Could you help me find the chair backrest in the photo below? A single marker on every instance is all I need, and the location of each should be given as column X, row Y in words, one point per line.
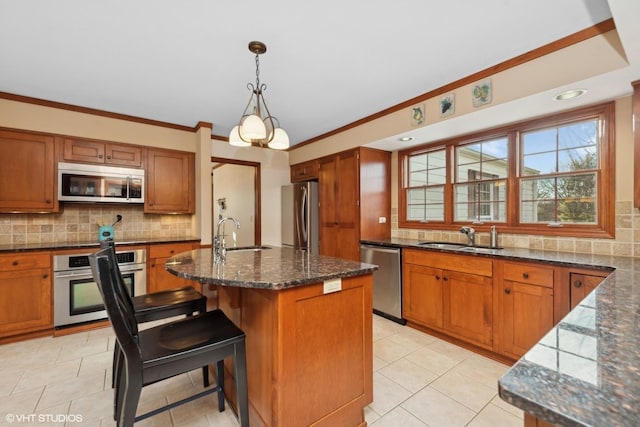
column 117, row 301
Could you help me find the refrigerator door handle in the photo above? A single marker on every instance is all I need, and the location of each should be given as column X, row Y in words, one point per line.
column 304, row 216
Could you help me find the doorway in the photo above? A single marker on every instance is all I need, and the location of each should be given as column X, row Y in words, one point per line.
column 235, row 187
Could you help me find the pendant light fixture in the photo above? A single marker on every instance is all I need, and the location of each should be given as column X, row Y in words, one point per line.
column 257, row 126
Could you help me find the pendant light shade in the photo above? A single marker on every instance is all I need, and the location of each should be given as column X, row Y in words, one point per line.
column 257, row 126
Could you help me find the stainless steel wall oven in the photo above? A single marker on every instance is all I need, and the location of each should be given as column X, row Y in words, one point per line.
column 76, row 297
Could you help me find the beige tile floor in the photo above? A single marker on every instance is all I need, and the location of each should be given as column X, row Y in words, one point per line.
column 418, row 380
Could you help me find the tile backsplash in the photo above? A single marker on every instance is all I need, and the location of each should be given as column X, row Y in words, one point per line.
column 78, row 222
column 626, row 243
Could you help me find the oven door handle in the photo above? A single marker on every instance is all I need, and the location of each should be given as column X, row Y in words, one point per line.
column 88, row 274
column 130, row 270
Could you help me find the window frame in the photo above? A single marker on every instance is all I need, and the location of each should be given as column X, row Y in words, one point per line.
column 604, row 227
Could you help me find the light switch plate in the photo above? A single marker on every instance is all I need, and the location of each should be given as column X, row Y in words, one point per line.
column 333, row 285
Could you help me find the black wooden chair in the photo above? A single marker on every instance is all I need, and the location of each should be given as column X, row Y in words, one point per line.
column 167, row 350
column 162, row 305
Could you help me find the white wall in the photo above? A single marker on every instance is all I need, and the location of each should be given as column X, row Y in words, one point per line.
column 234, row 184
column 274, row 173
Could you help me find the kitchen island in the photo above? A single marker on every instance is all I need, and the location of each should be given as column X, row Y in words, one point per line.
column 308, row 325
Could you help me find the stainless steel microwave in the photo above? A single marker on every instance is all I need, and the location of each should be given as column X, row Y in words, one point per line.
column 96, row 183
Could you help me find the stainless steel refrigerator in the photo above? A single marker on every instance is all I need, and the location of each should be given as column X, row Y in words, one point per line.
column 300, row 216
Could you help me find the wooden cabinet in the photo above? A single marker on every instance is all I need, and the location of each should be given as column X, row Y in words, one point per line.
column 449, row 293
column 25, row 293
column 301, row 345
column 170, row 182
column 27, row 172
column 158, row 277
column 354, row 193
column 581, row 284
column 101, row 152
column 306, row 171
column 527, row 306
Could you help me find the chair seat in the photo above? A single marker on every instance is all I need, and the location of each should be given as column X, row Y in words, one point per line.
column 167, row 303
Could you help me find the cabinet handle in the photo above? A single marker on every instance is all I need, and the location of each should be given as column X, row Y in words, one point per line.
column 109, row 157
column 99, row 156
column 507, row 291
column 14, row 263
column 437, row 277
column 577, row 283
column 525, row 275
column 44, row 276
column 445, row 278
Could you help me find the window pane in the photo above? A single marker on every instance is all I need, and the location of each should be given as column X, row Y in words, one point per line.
column 577, row 159
column 480, row 202
column 437, row 159
column 568, row 199
column 417, row 179
column 578, row 135
column 539, row 141
column 537, row 164
column 484, row 160
column 425, row 204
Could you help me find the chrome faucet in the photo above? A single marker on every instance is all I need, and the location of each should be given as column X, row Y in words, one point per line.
column 219, row 244
column 471, row 235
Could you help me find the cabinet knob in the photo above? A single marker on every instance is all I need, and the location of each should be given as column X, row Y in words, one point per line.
column 14, row 263
column 525, row 275
column 577, row 283
column 445, row 278
column 437, row 277
column 44, row 276
column 171, row 251
column 99, row 156
column 507, row 291
column 109, row 157
column 48, row 201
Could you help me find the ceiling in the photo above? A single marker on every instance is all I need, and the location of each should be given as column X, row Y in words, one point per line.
column 328, row 63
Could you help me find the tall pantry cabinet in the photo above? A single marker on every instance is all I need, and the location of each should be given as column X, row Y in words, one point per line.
column 355, row 200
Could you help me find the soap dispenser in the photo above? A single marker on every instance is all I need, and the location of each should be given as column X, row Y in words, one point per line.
column 493, row 237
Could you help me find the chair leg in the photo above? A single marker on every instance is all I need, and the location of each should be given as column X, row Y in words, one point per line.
column 240, row 365
column 118, row 391
column 131, row 397
column 114, row 364
column 205, row 376
column 220, row 384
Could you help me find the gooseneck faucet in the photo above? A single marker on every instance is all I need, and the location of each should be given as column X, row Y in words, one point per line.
column 219, row 244
column 471, row 235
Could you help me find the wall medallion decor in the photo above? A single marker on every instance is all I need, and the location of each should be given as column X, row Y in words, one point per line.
column 417, row 115
column 447, row 105
column 482, row 93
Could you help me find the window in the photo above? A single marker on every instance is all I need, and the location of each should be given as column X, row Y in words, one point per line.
column 559, row 168
column 551, row 176
column 425, row 190
column 480, row 181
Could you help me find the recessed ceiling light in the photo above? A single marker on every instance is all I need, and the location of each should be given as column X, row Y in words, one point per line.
column 570, row 94
column 405, row 139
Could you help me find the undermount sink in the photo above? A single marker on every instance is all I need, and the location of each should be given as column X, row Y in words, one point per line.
column 247, row 248
column 459, row 247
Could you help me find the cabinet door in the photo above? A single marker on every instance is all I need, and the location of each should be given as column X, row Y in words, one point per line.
column 468, row 302
column 25, row 301
column 123, row 155
column 83, row 150
column 159, row 278
column 422, row 298
column 27, row 177
column 339, row 206
column 170, row 182
column 306, row 171
column 527, row 315
column 581, row 285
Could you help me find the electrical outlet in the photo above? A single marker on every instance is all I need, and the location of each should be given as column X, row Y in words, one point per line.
column 332, row 285
column 382, row 220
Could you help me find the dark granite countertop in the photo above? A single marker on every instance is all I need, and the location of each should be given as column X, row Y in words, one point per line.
column 94, row 244
column 586, row 370
column 274, row 268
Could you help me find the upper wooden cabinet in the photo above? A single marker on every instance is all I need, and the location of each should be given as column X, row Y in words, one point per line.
column 108, row 153
column 170, row 182
column 354, row 193
column 306, row 171
column 27, row 172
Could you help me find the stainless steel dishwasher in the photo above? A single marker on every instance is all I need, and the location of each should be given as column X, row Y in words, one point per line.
column 387, row 280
